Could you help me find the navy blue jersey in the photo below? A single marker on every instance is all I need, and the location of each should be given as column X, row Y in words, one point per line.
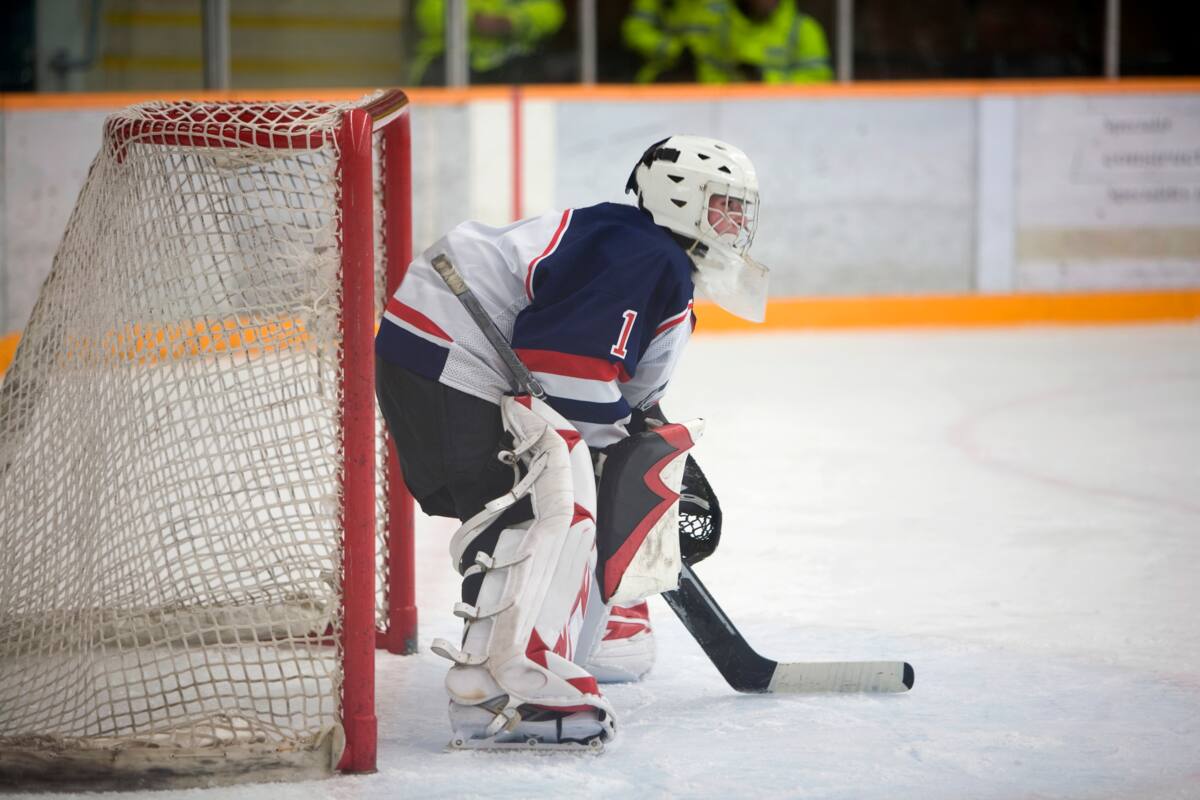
column 596, row 302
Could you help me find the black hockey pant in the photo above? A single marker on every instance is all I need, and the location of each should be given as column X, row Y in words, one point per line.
column 447, row 441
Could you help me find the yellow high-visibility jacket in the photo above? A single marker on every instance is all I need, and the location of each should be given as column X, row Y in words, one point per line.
column 532, row 21
column 787, row 47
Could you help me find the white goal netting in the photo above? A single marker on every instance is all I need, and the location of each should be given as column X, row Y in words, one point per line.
column 171, row 454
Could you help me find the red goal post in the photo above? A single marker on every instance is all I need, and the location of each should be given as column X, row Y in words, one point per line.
column 208, row 232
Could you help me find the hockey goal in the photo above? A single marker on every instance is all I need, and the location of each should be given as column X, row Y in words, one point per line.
column 192, row 503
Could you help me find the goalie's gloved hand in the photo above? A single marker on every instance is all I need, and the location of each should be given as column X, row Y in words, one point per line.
column 640, row 421
column 645, row 419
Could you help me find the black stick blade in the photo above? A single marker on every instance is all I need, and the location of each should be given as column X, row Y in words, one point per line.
column 747, row 671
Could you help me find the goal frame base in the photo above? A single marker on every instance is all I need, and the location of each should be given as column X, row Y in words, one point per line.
column 65, row 766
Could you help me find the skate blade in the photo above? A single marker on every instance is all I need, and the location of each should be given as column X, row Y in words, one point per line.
column 530, row 745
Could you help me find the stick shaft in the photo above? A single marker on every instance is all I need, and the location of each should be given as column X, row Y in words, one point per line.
column 525, row 383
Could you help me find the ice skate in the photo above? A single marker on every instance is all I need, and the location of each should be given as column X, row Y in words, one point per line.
column 494, row 725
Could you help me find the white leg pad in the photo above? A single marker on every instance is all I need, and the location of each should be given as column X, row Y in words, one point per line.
column 523, row 630
column 626, row 653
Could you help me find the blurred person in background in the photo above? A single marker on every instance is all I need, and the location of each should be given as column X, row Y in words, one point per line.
column 726, row 41
column 654, row 29
column 504, row 36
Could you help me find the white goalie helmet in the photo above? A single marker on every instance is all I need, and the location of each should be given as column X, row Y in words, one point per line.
column 707, row 192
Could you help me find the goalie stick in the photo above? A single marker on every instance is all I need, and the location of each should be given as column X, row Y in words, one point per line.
column 741, row 666
column 747, row 671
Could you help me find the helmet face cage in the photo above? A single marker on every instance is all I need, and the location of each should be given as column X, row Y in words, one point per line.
column 729, row 215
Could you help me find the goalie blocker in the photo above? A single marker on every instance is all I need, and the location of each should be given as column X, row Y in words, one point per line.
column 637, row 533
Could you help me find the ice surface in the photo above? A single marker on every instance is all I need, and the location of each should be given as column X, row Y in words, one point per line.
column 1016, row 512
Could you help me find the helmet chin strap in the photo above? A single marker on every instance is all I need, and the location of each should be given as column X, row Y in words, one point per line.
column 692, row 246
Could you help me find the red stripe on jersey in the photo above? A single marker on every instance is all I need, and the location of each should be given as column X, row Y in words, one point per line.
column 675, row 320
column 416, row 319
column 562, row 226
column 556, row 363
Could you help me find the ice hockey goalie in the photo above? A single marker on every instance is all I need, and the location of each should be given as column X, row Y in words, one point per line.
column 596, row 302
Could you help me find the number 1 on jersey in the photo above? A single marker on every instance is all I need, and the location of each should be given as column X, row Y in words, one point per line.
column 618, row 349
